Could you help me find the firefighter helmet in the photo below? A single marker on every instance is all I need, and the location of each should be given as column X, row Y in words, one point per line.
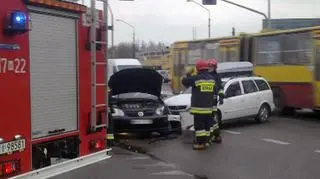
column 202, row 65
column 212, row 63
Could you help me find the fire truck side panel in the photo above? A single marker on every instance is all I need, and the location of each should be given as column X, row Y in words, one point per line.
column 53, row 74
column 85, row 91
column 14, row 91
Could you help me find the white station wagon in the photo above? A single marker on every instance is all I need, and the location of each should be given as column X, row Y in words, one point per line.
column 244, row 97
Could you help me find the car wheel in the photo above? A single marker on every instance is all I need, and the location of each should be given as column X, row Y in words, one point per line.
column 144, row 135
column 166, row 131
column 176, row 127
column 218, row 119
column 264, row 113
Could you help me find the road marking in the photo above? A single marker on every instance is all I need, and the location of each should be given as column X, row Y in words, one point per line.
column 139, row 158
column 174, row 172
column 317, row 151
column 159, row 164
column 191, row 128
column 275, row 141
column 232, row 132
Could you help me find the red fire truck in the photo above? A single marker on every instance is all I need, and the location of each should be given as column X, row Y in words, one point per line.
column 53, row 90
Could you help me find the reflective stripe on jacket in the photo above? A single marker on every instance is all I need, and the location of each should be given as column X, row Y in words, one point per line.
column 203, row 89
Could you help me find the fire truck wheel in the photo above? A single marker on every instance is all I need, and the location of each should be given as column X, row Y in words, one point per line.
column 39, row 159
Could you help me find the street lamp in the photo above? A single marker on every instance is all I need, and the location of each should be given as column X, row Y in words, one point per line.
column 269, row 14
column 209, row 18
column 268, row 18
column 133, row 37
column 112, row 31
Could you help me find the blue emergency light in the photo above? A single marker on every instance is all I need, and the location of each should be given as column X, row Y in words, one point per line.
column 17, row 22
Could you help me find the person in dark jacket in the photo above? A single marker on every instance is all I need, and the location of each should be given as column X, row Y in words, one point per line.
column 215, row 126
column 203, row 90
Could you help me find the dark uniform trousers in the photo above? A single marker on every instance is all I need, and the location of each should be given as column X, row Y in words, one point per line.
column 202, row 128
column 110, row 130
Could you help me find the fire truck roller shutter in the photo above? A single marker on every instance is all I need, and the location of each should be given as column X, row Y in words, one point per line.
column 53, row 74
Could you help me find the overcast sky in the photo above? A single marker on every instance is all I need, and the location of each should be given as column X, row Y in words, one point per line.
column 172, row 20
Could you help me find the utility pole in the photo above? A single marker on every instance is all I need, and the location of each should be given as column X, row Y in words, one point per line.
column 112, row 32
column 133, row 37
column 252, row 10
column 134, row 44
column 233, row 31
column 209, row 15
column 269, row 14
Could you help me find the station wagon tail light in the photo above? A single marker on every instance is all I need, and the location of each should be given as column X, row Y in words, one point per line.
column 9, row 167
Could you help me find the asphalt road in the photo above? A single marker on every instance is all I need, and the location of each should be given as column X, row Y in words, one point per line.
column 285, row 147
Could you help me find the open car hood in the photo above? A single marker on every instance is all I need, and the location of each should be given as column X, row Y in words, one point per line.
column 136, row 80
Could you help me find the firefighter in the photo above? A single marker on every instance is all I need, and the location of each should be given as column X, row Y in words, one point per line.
column 110, row 130
column 215, row 128
column 203, row 89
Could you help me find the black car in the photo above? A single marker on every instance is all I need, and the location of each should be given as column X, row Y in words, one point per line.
column 136, row 102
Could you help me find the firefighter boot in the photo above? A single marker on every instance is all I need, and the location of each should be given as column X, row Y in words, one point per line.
column 211, row 137
column 199, row 146
column 208, row 141
column 110, row 140
column 216, row 135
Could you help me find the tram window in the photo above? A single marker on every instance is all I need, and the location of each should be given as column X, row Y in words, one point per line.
column 176, row 62
column 211, row 50
column 223, row 54
column 297, row 49
column 233, row 54
column 268, row 50
column 193, row 56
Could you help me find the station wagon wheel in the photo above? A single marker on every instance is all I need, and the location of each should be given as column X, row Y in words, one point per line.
column 264, row 113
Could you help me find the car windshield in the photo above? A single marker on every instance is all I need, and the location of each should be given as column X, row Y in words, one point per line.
column 122, row 67
column 188, row 90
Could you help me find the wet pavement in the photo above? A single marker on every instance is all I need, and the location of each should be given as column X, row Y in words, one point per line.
column 285, row 147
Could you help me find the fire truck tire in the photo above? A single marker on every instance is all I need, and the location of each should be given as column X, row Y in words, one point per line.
column 39, row 160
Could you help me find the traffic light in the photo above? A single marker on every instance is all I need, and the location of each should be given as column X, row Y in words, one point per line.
column 209, row 2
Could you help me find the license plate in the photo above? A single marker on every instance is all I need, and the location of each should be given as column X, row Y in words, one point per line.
column 141, row 121
column 13, row 146
column 174, row 118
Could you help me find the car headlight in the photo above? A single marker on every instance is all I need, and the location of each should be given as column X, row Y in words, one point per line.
column 117, row 112
column 160, row 110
